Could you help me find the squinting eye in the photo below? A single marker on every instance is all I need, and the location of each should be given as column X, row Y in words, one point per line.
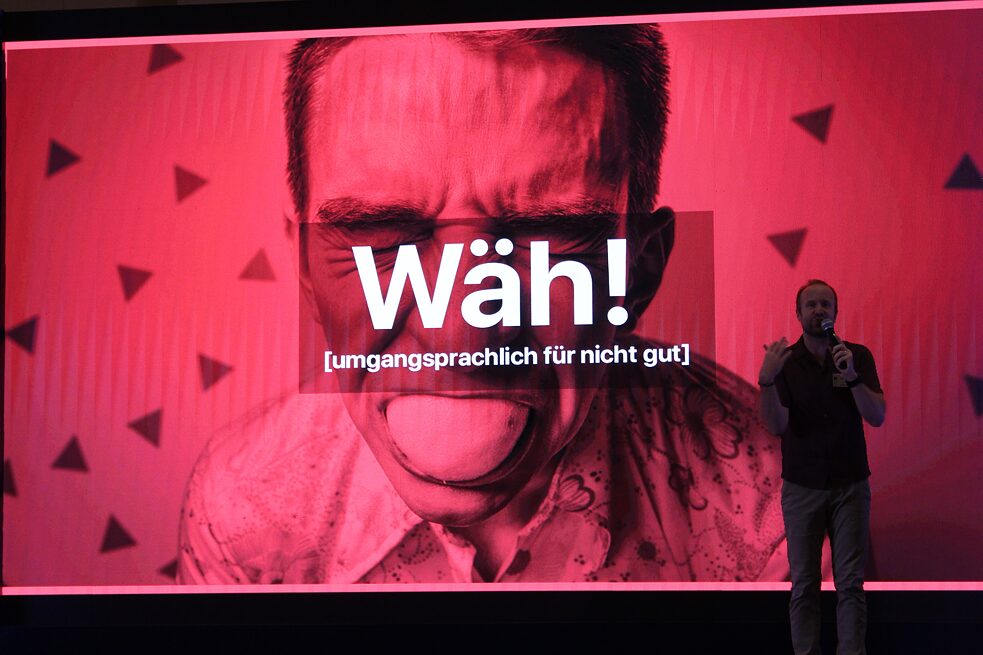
column 384, row 240
column 561, row 243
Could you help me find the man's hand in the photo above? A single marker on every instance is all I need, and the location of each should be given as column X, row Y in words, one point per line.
column 776, row 354
column 842, row 354
column 773, row 414
column 870, row 404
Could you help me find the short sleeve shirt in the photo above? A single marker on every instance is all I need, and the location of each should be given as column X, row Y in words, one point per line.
column 823, row 445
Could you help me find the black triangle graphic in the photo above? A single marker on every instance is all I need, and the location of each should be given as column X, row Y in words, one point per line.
column 966, row 176
column 212, row 371
column 132, row 279
column 71, row 457
column 148, row 426
column 169, row 570
column 24, row 333
column 115, row 537
column 186, row 182
column 59, row 157
column 258, row 268
column 789, row 244
column 816, row 122
column 162, row 56
column 9, row 488
column 975, row 385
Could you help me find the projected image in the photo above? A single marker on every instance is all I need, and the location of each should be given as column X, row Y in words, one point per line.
column 506, row 459
column 488, row 306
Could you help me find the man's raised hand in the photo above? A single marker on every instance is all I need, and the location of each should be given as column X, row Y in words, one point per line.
column 776, row 354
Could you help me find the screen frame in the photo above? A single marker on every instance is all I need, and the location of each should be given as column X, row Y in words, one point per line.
column 118, row 26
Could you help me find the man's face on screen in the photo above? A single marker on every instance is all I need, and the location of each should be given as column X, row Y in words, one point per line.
column 423, row 140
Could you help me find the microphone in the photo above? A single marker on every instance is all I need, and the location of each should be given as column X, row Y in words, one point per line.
column 834, row 340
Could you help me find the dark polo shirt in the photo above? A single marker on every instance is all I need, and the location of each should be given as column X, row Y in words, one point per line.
column 823, row 446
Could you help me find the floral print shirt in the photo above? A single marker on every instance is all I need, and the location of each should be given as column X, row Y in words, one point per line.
column 671, row 478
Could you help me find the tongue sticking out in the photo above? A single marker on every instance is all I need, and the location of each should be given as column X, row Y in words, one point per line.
column 455, row 439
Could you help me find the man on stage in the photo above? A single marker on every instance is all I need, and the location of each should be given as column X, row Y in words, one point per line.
column 816, row 394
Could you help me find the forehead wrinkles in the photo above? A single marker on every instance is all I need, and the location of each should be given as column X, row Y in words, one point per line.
column 529, row 119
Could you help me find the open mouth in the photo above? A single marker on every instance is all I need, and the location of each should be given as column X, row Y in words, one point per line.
column 459, row 441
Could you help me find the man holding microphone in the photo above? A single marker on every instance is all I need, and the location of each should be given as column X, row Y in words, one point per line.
column 816, row 394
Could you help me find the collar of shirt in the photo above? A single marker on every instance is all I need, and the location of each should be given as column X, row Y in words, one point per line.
column 801, row 352
column 571, row 511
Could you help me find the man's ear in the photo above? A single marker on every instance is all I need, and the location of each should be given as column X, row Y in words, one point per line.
column 298, row 245
column 650, row 240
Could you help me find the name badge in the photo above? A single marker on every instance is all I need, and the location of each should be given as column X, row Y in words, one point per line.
column 839, row 381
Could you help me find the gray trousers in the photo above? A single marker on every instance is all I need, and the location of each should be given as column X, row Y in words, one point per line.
column 843, row 512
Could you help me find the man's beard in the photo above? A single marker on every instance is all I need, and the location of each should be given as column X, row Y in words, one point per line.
column 814, row 328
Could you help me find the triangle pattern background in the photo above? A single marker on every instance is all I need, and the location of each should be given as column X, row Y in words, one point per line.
column 169, row 570
column 966, row 176
column 816, row 122
column 162, row 56
column 132, row 280
column 71, row 458
column 60, row 158
column 9, row 488
column 148, row 426
column 186, row 183
column 24, row 333
column 115, row 537
column 258, row 268
column 789, row 244
column 212, row 371
column 975, row 386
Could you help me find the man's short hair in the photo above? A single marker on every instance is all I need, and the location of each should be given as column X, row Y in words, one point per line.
column 636, row 55
column 812, row 283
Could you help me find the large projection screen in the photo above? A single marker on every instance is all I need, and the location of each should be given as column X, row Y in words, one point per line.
column 198, row 227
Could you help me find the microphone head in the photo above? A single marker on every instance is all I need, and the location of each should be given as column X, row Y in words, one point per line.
column 827, row 325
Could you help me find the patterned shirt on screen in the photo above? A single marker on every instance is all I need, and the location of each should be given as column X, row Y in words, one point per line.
column 671, row 478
